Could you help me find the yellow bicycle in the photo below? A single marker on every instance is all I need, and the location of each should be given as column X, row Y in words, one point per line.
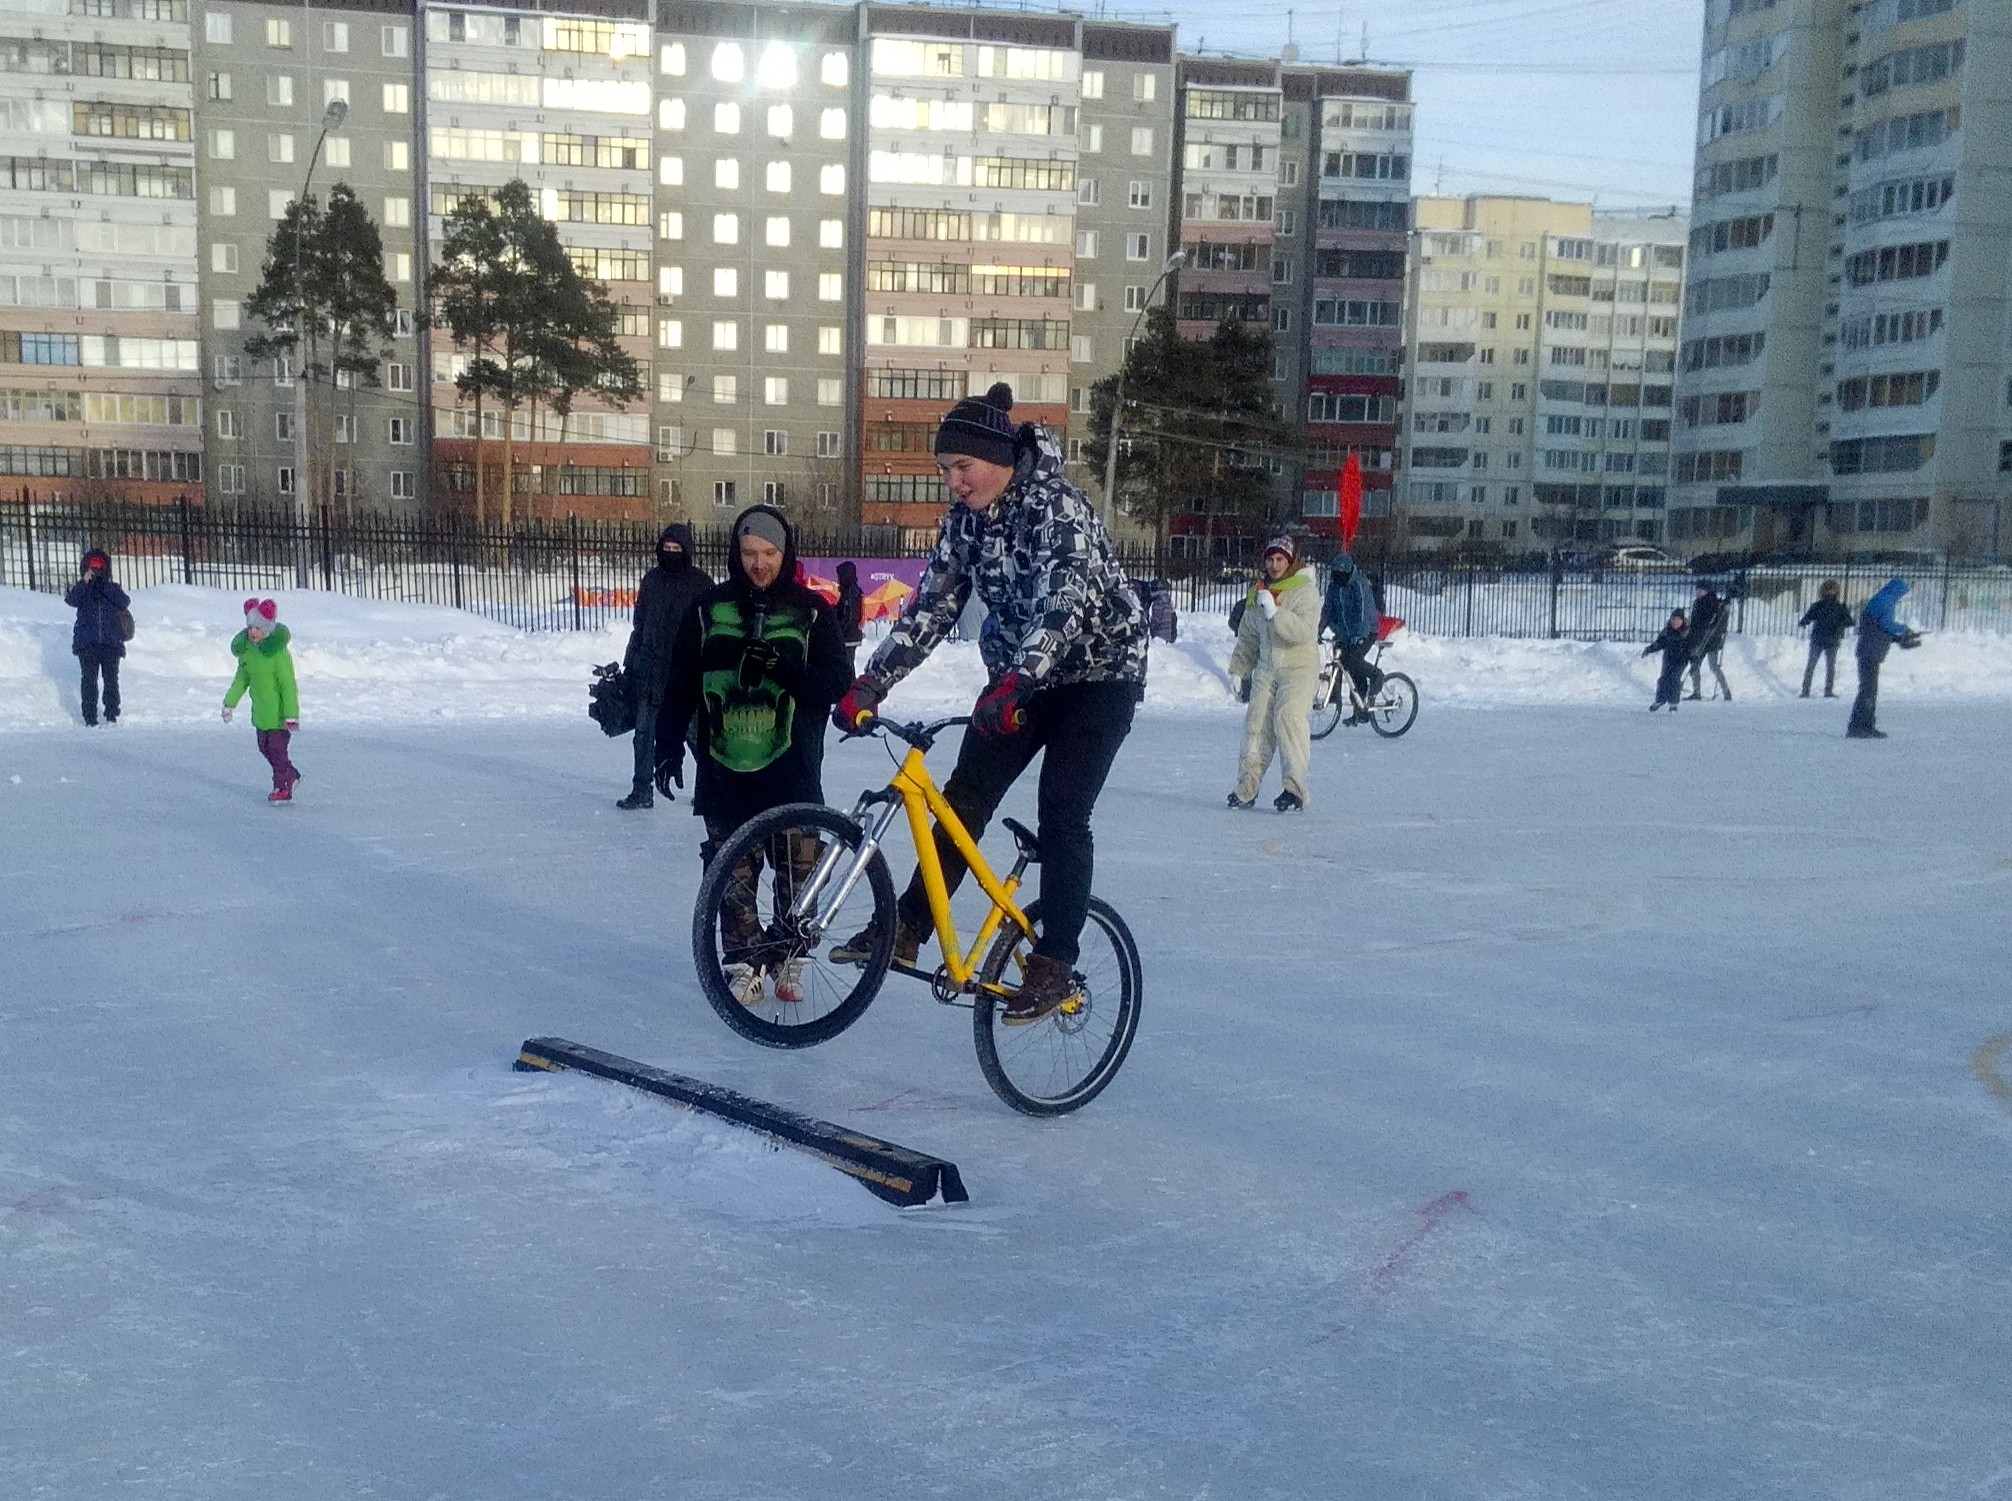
column 795, row 879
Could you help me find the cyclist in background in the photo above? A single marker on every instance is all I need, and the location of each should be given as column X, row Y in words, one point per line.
column 1064, row 671
column 1349, row 610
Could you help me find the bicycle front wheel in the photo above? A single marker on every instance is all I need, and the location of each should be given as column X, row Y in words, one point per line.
column 1326, row 712
column 766, row 969
column 1396, row 706
column 1063, row 1061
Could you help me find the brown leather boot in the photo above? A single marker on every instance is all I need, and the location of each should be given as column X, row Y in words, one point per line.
column 1050, row 984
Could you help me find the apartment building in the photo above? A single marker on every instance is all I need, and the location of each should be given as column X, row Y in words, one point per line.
column 756, row 126
column 1844, row 382
column 100, row 392
column 561, row 98
column 1124, row 190
column 268, row 75
column 1345, row 244
column 1541, row 339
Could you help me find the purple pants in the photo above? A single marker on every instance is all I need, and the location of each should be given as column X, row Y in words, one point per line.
column 272, row 745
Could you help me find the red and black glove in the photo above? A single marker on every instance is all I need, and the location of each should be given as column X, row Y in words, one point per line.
column 856, row 703
column 1002, row 708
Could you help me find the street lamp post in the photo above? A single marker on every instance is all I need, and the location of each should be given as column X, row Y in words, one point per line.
column 333, row 116
column 1118, row 396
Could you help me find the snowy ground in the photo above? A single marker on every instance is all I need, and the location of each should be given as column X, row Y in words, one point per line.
column 1572, row 1104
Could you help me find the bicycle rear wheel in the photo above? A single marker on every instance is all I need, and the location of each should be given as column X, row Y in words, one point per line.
column 1063, row 1061
column 1395, row 706
column 1326, row 712
column 768, row 972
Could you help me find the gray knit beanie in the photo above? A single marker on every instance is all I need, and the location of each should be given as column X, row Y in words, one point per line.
column 981, row 426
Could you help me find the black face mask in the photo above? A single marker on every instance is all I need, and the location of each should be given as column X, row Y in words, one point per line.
column 671, row 562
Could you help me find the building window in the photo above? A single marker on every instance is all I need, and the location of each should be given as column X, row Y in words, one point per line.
column 670, row 225
column 775, row 392
column 834, row 70
column 775, row 338
column 279, row 33
column 831, row 180
column 397, row 99
column 830, row 286
column 775, row 443
column 283, row 479
column 776, row 178
column 828, row 446
column 671, row 60
column 726, row 281
column 726, row 442
column 394, row 41
column 398, row 430
column 220, row 88
column 1086, row 243
column 217, row 28
column 777, row 231
column 671, row 171
column 831, row 124
column 1144, row 87
column 729, row 64
column 726, row 334
column 726, row 390
column 775, row 285
column 727, row 174
column 723, row 489
column 726, row 229
column 831, row 234
column 774, row 492
column 830, row 392
column 1141, row 195
column 1142, row 140
column 830, row 340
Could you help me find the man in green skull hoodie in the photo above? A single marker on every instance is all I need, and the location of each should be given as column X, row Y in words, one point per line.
column 761, row 660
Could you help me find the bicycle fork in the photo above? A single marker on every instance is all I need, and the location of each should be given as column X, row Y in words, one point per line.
column 817, row 915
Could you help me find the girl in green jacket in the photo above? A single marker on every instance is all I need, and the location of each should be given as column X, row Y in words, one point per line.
column 265, row 666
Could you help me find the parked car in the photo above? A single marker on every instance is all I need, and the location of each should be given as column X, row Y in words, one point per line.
column 1639, row 557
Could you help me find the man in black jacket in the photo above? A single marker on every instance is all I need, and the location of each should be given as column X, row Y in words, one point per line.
column 666, row 593
column 96, row 640
column 1828, row 619
column 1709, row 619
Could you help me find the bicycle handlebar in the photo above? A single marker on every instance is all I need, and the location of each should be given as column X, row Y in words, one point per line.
column 921, row 736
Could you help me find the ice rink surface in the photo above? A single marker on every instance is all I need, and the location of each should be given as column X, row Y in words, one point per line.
column 1573, row 1104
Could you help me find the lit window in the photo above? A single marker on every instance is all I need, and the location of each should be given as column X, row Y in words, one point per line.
column 724, row 445
column 729, row 65
column 775, row 285
column 671, row 171
column 726, row 282
column 726, row 390
column 777, row 68
column 831, row 124
column 775, row 390
column 397, row 99
column 1142, row 140
column 223, row 312
column 671, row 225
column 727, row 119
column 671, row 60
column 781, row 121
column 670, row 333
column 279, row 33
column 833, row 69
column 778, row 177
column 397, row 155
column 335, row 151
column 778, row 231
column 830, row 287
column 398, row 213
column 727, row 173
column 670, row 281
column 775, row 338
column 831, row 180
column 830, row 392
column 830, row 339
column 726, row 335
column 1093, row 83
column 726, row 229
column 831, row 234
column 670, row 114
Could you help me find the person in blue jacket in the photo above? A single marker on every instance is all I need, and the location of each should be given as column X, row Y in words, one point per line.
column 96, row 640
column 1349, row 610
column 1879, row 628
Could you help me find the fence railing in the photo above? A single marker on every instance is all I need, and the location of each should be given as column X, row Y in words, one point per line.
column 578, row 575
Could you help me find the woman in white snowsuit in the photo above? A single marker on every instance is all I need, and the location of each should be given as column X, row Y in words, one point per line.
column 1277, row 645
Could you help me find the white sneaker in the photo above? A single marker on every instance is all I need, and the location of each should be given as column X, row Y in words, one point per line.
column 744, row 983
column 789, row 982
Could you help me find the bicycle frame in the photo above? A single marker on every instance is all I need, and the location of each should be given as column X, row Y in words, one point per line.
column 914, row 791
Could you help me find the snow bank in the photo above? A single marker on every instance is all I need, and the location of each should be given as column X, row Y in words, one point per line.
column 377, row 661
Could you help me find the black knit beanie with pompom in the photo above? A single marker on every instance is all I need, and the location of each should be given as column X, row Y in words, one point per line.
column 981, row 426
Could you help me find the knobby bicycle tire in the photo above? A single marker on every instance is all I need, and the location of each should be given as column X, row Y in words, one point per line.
column 1394, row 721
column 1063, row 1061
column 834, row 996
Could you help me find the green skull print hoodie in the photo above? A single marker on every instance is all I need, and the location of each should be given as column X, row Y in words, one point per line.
column 761, row 668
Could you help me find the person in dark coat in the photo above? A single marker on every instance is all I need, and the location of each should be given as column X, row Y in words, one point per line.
column 1828, row 619
column 761, row 660
column 96, row 640
column 1674, row 643
column 1709, row 619
column 1879, row 628
column 1349, row 610
column 851, row 610
column 663, row 597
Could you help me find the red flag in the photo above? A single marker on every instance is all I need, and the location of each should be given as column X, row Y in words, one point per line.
column 1351, row 498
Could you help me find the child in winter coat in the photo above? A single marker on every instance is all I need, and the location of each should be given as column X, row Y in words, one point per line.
column 1277, row 644
column 98, row 639
column 1675, row 645
column 265, row 667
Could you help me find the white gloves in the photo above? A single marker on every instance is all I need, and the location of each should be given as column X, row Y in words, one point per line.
column 1268, row 602
column 227, row 716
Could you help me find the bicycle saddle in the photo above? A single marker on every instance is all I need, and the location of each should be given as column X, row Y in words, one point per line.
column 1024, row 837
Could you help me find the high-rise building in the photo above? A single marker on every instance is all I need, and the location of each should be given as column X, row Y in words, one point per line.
column 1541, row 342
column 561, row 98
column 268, row 74
column 100, row 393
column 1844, row 363
column 756, row 127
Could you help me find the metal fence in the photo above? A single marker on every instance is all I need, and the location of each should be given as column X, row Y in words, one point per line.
column 580, row 575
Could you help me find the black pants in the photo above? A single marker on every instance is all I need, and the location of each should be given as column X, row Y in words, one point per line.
column 1866, row 705
column 646, row 745
column 1354, row 657
column 1829, row 655
column 1670, row 683
column 1081, row 726
column 1704, row 659
column 93, row 660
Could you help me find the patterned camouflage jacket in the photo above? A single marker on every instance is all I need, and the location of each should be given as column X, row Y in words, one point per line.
column 1043, row 564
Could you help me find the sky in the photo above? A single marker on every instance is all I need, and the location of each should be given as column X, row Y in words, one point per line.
column 1571, row 99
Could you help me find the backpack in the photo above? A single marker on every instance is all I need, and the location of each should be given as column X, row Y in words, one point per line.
column 610, row 703
column 125, row 625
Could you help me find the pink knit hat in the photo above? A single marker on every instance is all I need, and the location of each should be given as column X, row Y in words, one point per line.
column 261, row 614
